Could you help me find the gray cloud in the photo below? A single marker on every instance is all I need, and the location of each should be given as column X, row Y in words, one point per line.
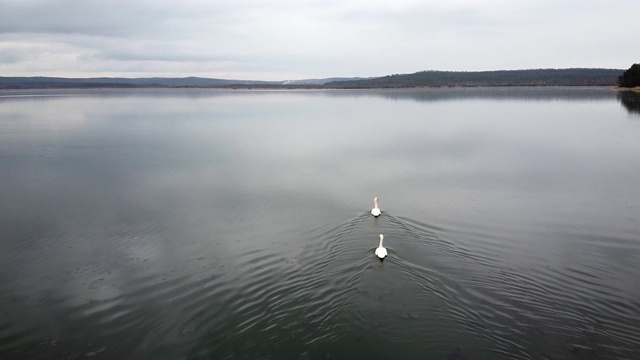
column 158, row 54
column 10, row 57
column 286, row 39
column 69, row 17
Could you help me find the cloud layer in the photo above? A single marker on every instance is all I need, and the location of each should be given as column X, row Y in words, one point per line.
column 290, row 39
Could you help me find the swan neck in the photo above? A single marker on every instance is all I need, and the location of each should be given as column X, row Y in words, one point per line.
column 381, row 239
column 375, row 202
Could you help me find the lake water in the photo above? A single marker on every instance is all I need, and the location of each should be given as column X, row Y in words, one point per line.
column 210, row 224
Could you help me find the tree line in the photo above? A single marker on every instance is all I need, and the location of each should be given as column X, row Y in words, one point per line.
column 631, row 77
column 534, row 77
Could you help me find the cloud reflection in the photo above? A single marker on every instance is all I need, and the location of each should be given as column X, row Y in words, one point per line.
column 120, row 205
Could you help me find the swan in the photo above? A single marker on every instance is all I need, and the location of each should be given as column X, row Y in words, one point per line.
column 381, row 252
column 376, row 210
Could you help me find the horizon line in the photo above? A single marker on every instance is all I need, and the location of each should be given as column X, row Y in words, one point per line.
column 299, row 79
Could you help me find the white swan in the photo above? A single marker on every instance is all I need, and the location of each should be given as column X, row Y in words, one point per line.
column 376, row 210
column 381, row 252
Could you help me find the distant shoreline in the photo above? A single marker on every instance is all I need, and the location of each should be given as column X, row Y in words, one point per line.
column 301, row 87
column 421, row 79
column 634, row 89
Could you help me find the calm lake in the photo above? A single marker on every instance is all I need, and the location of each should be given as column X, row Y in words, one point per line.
column 215, row 224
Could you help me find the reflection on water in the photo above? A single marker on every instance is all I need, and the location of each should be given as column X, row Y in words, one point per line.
column 196, row 224
column 630, row 100
column 488, row 93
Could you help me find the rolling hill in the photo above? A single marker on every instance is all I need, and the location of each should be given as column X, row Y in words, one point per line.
column 534, row 77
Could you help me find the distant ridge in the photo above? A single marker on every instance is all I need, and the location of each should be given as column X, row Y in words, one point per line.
column 532, row 77
column 59, row 82
column 431, row 78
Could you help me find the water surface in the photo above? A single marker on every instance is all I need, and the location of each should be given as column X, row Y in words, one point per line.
column 208, row 224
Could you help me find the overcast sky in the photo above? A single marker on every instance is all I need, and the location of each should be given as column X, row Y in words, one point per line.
column 299, row 39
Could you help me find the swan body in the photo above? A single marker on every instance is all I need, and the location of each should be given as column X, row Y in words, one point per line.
column 376, row 210
column 381, row 252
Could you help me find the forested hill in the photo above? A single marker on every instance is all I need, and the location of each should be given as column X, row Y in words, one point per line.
column 106, row 82
column 540, row 77
column 537, row 77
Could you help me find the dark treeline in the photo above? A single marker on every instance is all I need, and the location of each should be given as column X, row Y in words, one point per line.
column 631, row 77
column 540, row 77
column 40, row 82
